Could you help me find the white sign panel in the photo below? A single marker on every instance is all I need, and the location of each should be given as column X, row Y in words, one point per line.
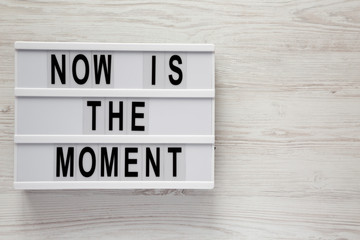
column 121, row 116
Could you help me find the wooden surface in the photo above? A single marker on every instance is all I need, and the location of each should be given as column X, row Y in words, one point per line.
column 287, row 121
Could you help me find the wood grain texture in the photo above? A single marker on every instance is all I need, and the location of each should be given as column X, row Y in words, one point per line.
column 287, row 121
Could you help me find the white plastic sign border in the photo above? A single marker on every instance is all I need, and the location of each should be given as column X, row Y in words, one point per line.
column 159, row 93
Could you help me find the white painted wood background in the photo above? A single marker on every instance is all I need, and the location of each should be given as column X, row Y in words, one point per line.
column 287, row 121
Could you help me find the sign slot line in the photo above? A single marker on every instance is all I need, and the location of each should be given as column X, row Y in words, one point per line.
column 146, row 93
column 19, row 45
column 186, row 139
column 115, row 185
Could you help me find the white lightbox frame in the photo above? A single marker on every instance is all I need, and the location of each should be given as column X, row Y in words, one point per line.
column 118, row 139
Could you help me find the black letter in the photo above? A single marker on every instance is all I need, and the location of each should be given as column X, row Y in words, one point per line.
column 113, row 162
column 175, row 69
column 55, row 65
column 85, row 78
column 107, row 68
column 64, row 166
column 153, row 70
column 93, row 161
column 113, row 115
column 93, row 105
column 174, row 150
column 135, row 115
column 156, row 167
column 130, row 161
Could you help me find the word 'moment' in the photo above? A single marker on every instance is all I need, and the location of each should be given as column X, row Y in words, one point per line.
column 124, row 162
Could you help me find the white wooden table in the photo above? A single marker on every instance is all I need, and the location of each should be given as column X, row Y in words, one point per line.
column 287, row 121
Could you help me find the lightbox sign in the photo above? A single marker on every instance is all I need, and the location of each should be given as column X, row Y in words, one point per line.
column 93, row 115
